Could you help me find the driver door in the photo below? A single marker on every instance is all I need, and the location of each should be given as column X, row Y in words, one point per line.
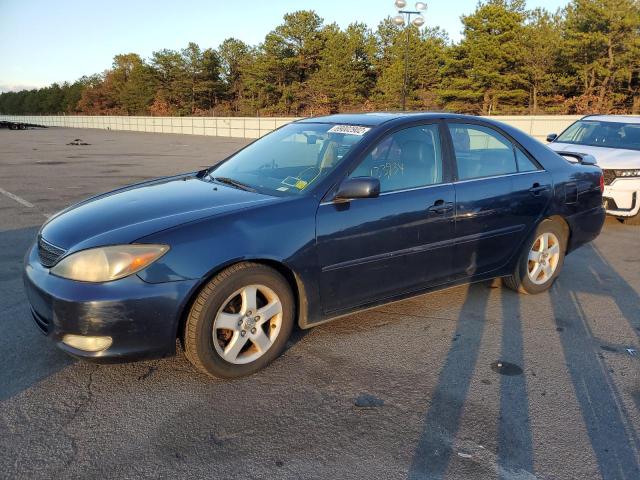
column 375, row 248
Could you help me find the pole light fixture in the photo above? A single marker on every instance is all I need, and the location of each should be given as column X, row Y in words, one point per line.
column 403, row 18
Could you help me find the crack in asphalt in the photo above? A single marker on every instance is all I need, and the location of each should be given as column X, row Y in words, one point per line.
column 88, row 398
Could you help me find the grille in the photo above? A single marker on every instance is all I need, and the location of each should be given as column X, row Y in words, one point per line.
column 41, row 322
column 609, row 176
column 49, row 254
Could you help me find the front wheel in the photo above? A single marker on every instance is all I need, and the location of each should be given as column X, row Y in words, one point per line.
column 541, row 260
column 240, row 321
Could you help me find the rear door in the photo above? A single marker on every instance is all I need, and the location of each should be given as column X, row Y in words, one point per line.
column 532, row 190
column 375, row 248
column 500, row 194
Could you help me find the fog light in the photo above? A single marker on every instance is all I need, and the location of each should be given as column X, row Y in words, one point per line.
column 88, row 344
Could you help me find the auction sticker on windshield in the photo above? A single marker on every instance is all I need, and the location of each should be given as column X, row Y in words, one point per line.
column 349, row 129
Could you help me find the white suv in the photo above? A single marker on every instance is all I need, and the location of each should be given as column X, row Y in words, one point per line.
column 614, row 140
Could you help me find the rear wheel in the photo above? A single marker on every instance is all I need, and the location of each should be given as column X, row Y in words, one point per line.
column 541, row 260
column 240, row 321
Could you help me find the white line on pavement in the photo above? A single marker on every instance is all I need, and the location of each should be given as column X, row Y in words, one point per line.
column 20, row 200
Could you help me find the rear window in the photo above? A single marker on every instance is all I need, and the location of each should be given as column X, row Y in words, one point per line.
column 602, row 134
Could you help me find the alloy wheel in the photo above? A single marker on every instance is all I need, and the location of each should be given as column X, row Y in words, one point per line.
column 247, row 324
column 543, row 258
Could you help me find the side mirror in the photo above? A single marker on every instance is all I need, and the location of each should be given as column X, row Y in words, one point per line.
column 359, row 187
column 551, row 137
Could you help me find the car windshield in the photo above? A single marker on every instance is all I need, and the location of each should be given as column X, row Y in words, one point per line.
column 290, row 160
column 603, row 134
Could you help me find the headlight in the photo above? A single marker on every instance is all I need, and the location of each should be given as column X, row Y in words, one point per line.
column 627, row 173
column 108, row 263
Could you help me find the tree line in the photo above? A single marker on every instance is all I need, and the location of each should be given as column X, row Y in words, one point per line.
column 584, row 58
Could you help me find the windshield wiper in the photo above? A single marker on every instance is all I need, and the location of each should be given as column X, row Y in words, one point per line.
column 233, row 183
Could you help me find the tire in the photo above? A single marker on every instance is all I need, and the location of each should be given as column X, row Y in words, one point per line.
column 531, row 277
column 254, row 337
column 635, row 220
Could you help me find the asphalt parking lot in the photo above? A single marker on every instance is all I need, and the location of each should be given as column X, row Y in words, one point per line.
column 409, row 390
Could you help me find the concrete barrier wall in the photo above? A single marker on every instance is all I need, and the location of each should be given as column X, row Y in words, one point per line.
column 539, row 126
column 245, row 127
column 239, row 127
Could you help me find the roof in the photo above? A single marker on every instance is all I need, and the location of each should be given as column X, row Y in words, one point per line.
column 369, row 119
column 635, row 119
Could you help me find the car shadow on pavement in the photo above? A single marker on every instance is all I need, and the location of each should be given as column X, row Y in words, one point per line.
column 514, row 444
column 442, row 421
column 626, row 298
column 608, row 423
column 515, row 447
column 26, row 355
column 615, row 444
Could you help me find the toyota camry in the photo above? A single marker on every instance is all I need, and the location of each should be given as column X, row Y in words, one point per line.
column 321, row 218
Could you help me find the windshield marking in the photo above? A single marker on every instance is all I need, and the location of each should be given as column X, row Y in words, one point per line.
column 349, row 129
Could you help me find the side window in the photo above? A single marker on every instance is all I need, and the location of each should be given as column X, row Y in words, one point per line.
column 481, row 152
column 408, row 158
column 524, row 164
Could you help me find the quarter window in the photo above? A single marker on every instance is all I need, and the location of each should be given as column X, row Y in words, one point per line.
column 408, row 158
column 524, row 163
column 481, row 152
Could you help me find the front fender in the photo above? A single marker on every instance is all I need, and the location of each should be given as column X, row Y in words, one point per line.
column 279, row 234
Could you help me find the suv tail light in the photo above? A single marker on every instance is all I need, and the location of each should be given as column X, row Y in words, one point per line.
column 601, row 182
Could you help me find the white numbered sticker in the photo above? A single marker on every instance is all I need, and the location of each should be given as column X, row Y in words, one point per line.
column 349, row 129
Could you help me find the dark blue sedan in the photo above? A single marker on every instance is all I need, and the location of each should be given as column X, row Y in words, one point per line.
column 321, row 218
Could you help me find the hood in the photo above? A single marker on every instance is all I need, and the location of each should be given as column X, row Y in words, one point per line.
column 124, row 215
column 609, row 158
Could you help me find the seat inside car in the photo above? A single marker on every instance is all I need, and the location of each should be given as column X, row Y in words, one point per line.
column 479, row 161
column 419, row 160
column 401, row 163
column 632, row 136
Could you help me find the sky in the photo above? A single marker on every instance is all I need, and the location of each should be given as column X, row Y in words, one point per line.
column 44, row 41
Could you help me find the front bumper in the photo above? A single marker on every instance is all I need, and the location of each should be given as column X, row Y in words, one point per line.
column 140, row 317
column 622, row 197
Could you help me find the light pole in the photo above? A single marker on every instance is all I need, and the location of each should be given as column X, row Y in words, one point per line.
column 404, row 17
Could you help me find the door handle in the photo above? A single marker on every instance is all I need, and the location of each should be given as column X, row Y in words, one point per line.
column 440, row 207
column 537, row 189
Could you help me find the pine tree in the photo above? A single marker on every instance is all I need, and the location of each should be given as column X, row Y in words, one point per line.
column 345, row 72
column 484, row 72
column 602, row 44
column 236, row 59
